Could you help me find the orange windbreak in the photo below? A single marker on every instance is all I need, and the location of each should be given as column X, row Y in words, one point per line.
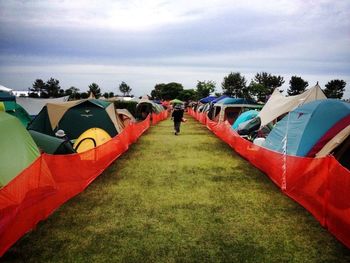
column 159, row 117
column 321, row 185
column 53, row 179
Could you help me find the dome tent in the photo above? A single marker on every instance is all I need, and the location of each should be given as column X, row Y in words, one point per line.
column 145, row 107
column 8, row 104
column 309, row 127
column 18, row 148
column 75, row 117
column 245, row 116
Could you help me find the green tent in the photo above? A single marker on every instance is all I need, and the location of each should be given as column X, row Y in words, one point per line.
column 75, row 117
column 176, row 101
column 51, row 144
column 18, row 150
column 8, row 104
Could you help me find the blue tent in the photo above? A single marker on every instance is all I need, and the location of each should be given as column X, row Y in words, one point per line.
column 236, row 101
column 207, row 99
column 309, row 127
column 219, row 98
column 245, row 116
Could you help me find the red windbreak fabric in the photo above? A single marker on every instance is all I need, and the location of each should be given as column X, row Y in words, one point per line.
column 321, row 185
column 159, row 117
column 53, row 179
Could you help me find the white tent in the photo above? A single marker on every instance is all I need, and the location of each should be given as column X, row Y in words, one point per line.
column 278, row 104
column 34, row 105
column 3, row 88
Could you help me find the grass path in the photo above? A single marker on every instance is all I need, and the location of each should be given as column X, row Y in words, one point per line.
column 186, row 198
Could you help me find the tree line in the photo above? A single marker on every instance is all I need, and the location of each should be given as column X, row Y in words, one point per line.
column 52, row 89
column 235, row 85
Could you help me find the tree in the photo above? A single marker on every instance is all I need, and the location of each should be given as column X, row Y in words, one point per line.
column 269, row 81
column 235, row 85
column 124, row 88
column 297, row 86
column 73, row 93
column 204, row 88
column 84, row 95
column 37, row 87
column 167, row 91
column 111, row 94
column 335, row 89
column 264, row 84
column 51, row 89
column 95, row 90
column 105, row 95
column 187, row 94
column 259, row 91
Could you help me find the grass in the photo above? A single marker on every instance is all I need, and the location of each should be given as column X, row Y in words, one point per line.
column 186, row 198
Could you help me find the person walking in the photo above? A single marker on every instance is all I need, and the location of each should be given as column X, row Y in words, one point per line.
column 177, row 116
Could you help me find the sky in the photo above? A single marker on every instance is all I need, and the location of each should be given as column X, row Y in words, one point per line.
column 146, row 42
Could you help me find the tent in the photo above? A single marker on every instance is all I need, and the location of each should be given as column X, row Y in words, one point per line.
column 34, row 105
column 91, row 138
column 277, row 105
column 125, row 116
column 176, row 101
column 18, row 150
column 75, row 117
column 51, row 144
column 306, row 130
column 3, row 88
column 145, row 107
column 245, row 116
column 8, row 104
column 219, row 98
column 207, row 99
column 230, row 108
column 7, row 96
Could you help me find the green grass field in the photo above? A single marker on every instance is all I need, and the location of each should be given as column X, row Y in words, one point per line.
column 186, row 198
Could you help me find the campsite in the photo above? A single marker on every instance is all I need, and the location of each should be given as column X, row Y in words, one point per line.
column 53, row 170
column 175, row 131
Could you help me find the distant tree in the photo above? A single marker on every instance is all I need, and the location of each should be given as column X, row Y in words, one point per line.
column 335, row 89
column 37, row 87
column 204, row 88
column 111, row 94
column 258, row 91
column 84, row 95
column 73, row 93
column 235, row 85
column 296, row 86
column 125, row 88
column 105, row 95
column 263, row 85
column 188, row 94
column 167, row 91
column 95, row 90
column 51, row 89
column 218, row 94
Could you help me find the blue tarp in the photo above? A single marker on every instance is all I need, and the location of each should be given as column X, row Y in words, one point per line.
column 236, row 101
column 207, row 99
column 245, row 116
column 219, row 98
column 306, row 125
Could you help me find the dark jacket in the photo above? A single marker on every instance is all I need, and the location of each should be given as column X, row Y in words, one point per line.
column 177, row 115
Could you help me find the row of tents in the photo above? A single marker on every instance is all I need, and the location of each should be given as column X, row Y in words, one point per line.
column 305, row 125
column 86, row 124
column 302, row 144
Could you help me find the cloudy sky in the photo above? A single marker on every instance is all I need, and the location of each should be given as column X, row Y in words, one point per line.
column 144, row 42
